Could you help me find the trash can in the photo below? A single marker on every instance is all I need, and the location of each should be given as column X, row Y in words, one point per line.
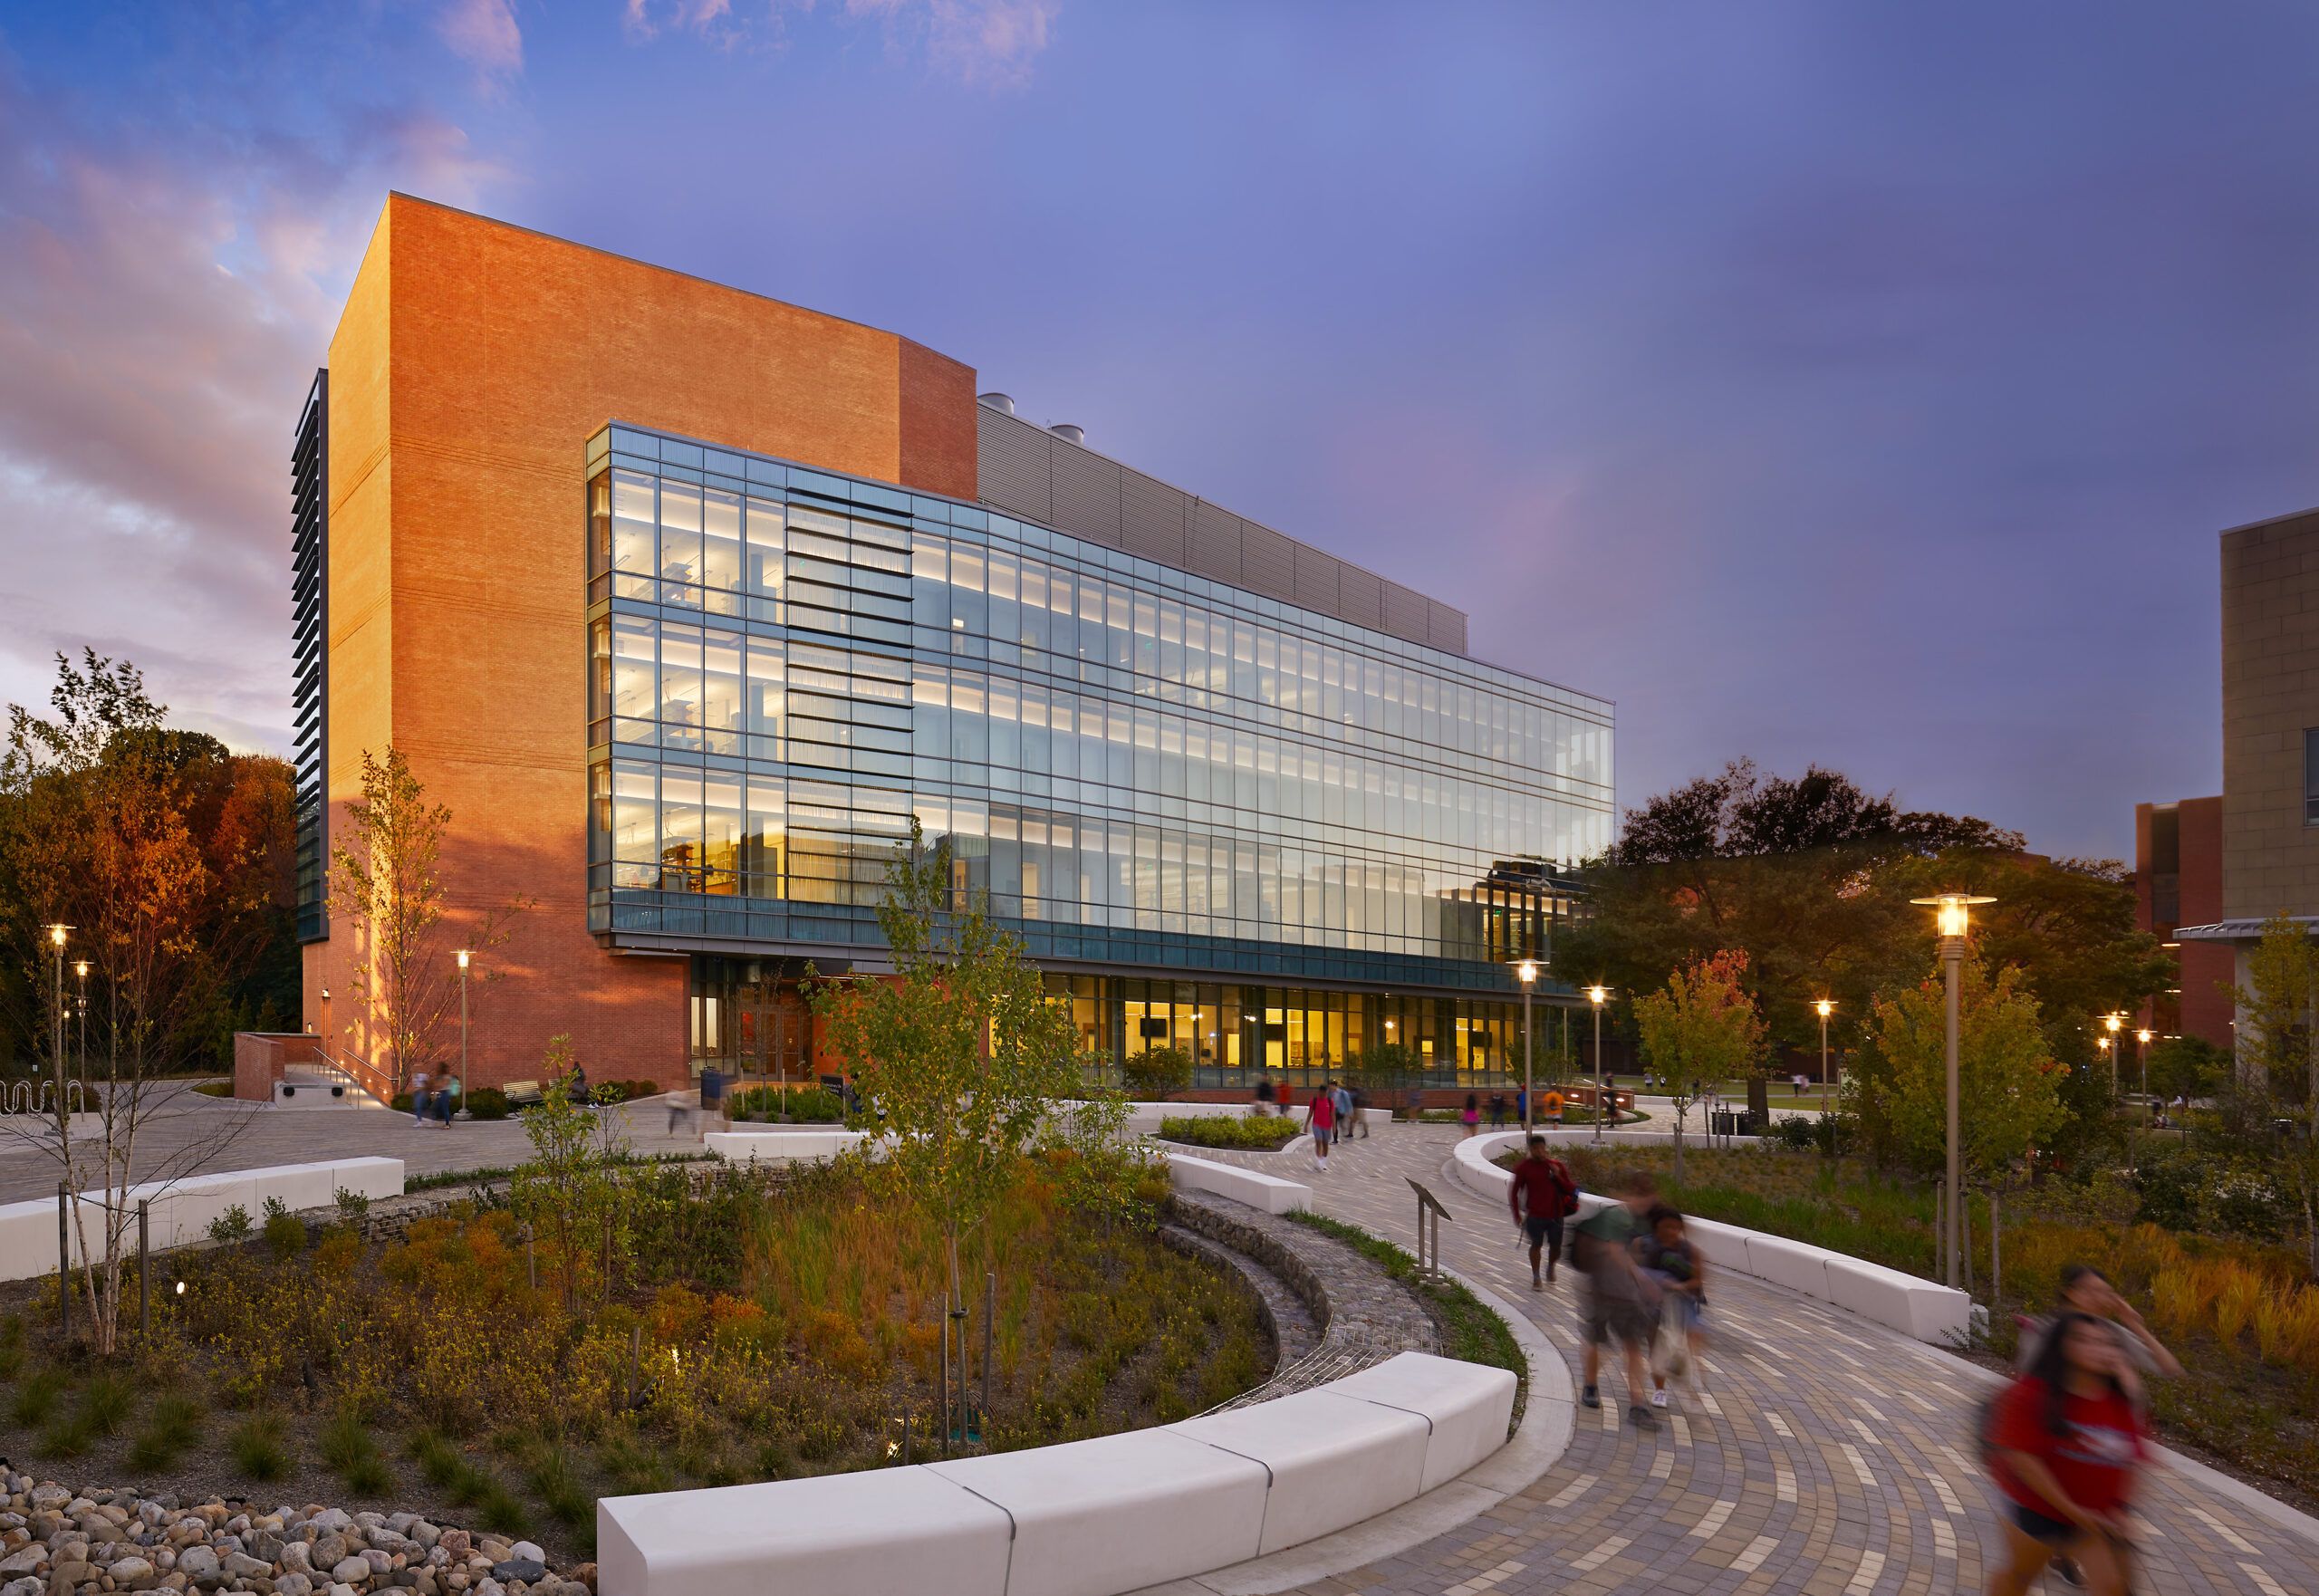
column 1724, row 1123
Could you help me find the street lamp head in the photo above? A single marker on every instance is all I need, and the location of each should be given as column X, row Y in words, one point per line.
column 1951, row 910
column 2103, row 1041
column 1528, row 972
column 1597, row 995
column 325, row 995
column 56, row 935
column 2143, row 1037
column 2115, row 1021
column 463, row 958
column 81, row 968
column 1823, row 1008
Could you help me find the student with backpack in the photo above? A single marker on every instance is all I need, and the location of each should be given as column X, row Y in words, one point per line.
column 1542, row 1195
column 1320, row 1119
column 1669, row 1256
column 2065, row 1444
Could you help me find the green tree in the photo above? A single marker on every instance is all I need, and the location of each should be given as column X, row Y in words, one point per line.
column 2009, row 1085
column 1158, row 1072
column 2189, row 1067
column 2278, row 1063
column 1383, row 1070
column 569, row 1191
column 961, row 1057
column 1701, row 1026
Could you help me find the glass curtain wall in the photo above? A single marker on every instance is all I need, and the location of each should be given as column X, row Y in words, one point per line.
column 1141, row 767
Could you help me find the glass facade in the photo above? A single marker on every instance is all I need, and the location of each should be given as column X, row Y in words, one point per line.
column 1146, row 769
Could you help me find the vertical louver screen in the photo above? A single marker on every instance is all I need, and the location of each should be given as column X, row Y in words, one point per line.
column 309, row 647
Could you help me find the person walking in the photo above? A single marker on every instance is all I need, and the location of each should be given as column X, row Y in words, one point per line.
column 2066, row 1445
column 1668, row 1256
column 1542, row 1195
column 1341, row 1099
column 1497, row 1110
column 1359, row 1114
column 419, row 1098
column 1551, row 1104
column 1471, row 1116
column 2086, row 1290
column 1265, row 1097
column 1320, row 1119
column 1622, row 1302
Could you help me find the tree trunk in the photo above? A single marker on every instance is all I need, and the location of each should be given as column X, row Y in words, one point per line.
column 1680, row 1107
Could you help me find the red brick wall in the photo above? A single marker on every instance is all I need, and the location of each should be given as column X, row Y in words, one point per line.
column 477, row 360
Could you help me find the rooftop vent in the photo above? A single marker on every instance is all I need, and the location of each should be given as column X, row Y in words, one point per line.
column 1070, row 432
column 1002, row 402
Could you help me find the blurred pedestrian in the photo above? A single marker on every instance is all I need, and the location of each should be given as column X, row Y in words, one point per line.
column 2066, row 1444
column 1542, row 1195
column 1497, row 1110
column 1471, row 1116
column 1320, row 1119
column 1265, row 1097
column 417, row 1097
column 1622, row 1300
column 1670, row 1258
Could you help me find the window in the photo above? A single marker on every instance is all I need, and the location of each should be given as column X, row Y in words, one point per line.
column 2310, row 777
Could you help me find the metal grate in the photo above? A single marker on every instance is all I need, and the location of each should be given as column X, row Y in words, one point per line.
column 309, row 649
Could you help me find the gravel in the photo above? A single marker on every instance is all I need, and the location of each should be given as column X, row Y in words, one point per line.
column 58, row 1541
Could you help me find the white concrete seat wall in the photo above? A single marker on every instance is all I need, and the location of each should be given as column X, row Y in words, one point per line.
column 1269, row 1192
column 1144, row 1118
column 1088, row 1518
column 778, row 1144
column 1907, row 1303
column 181, row 1210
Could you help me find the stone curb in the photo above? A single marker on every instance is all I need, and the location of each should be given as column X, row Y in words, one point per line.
column 1549, row 1418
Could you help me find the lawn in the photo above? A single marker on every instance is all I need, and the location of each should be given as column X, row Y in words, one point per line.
column 753, row 1328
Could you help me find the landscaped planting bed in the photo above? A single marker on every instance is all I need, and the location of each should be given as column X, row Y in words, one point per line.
column 1253, row 1134
column 749, row 1326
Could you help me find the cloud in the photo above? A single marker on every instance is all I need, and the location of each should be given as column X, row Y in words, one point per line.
column 159, row 326
column 485, row 35
column 984, row 42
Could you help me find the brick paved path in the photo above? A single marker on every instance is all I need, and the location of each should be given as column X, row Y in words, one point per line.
column 1823, row 1454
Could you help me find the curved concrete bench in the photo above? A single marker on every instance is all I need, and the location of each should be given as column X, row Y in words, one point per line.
column 1908, row 1303
column 783, row 1144
column 1086, row 1518
column 1269, row 1192
column 181, row 1210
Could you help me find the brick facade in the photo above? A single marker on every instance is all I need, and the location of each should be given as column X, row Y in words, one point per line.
column 472, row 363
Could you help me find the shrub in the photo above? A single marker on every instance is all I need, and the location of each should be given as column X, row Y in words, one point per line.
column 213, row 1088
column 353, row 1206
column 808, row 1105
column 349, row 1451
column 70, row 1434
column 259, row 1448
column 106, row 1401
column 1262, row 1135
column 1156, row 1072
column 36, row 1396
column 286, row 1232
column 486, row 1102
column 232, row 1226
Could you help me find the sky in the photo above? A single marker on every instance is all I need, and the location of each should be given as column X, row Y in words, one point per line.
column 1857, row 384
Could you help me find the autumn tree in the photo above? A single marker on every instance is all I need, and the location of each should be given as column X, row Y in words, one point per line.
column 112, row 827
column 387, row 886
column 2009, row 1085
column 960, row 1058
column 1701, row 1026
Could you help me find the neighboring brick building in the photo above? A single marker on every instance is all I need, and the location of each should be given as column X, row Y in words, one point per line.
column 684, row 600
column 2177, row 880
column 2270, row 734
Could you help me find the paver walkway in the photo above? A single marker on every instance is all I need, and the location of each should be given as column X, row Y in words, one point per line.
column 1823, row 1454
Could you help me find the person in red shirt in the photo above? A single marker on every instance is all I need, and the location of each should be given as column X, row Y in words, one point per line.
column 2066, row 1446
column 1542, row 1195
column 1321, row 1120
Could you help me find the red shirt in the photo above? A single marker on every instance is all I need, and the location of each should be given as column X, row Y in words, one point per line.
column 2093, row 1458
column 1325, row 1112
column 1535, row 1191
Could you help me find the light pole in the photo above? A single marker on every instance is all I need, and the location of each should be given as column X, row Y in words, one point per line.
column 2141, row 1063
column 463, row 1027
column 1529, row 974
column 325, row 1025
column 1952, row 915
column 1595, row 994
column 1823, row 1008
column 56, row 941
column 2115, row 1022
column 81, row 971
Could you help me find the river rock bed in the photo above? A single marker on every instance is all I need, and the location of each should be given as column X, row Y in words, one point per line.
column 55, row 1541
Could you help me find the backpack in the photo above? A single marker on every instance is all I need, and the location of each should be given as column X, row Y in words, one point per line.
column 1566, row 1189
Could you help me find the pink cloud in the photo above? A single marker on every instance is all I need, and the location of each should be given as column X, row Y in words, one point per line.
column 980, row 41
column 485, row 35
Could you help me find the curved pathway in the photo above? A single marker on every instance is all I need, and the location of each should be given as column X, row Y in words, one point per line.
column 1823, row 1454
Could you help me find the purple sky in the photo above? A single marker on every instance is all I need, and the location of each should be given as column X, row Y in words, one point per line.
column 1857, row 383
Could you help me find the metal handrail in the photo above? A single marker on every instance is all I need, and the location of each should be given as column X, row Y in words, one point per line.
column 358, row 1072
